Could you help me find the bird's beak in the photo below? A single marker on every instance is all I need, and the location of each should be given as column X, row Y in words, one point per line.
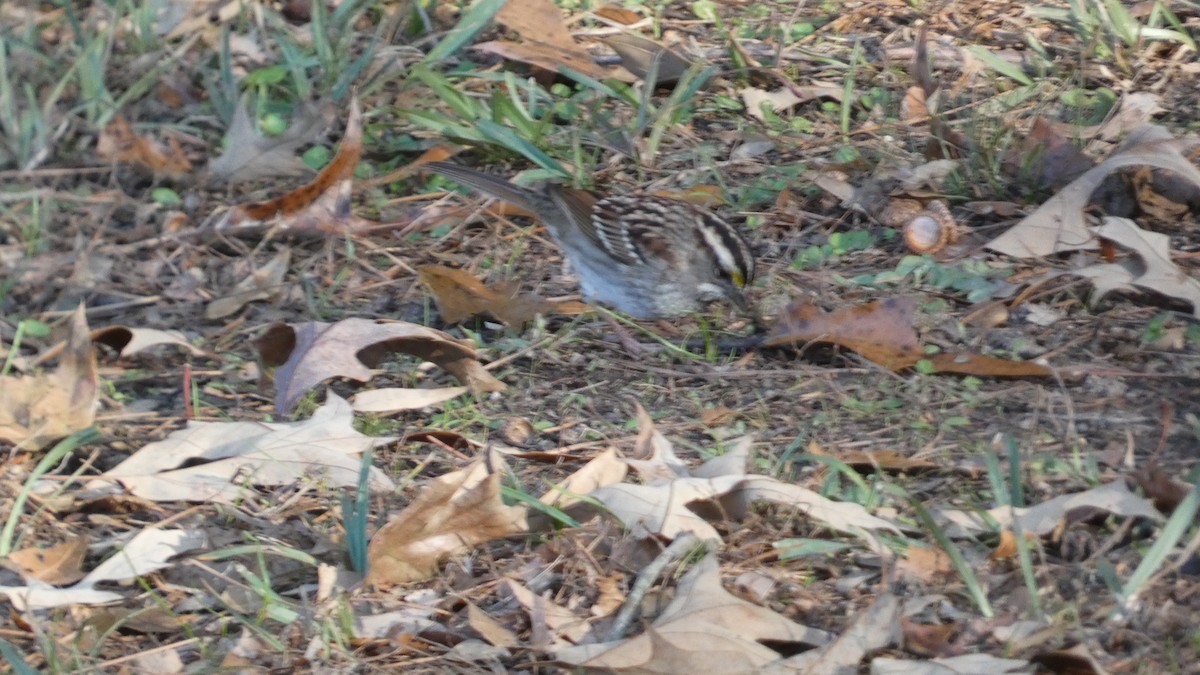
column 743, row 305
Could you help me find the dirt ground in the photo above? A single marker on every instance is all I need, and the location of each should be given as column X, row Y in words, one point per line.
column 1119, row 402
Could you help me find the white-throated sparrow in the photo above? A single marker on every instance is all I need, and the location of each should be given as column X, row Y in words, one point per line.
column 647, row 256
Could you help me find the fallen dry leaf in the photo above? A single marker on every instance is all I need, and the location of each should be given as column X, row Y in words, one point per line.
column 668, row 502
column 452, row 514
column 705, row 629
column 57, row 565
column 129, row 341
column 617, row 13
column 547, row 42
column 1006, row 549
column 881, row 331
column 925, row 564
column 963, row 363
column 1165, row 490
column 250, row 156
column 322, row 206
column 1058, row 225
column 1135, row 109
column 38, row 409
column 310, row 353
column 415, row 617
column 874, row 629
column 780, row 100
column 642, row 56
column 263, row 284
column 460, row 295
column 551, row 58
column 148, row 551
column 396, row 399
column 220, row 460
column 928, row 639
column 877, row 460
column 966, row 664
column 118, row 143
column 1153, row 271
column 491, row 630
column 1042, row 519
column 603, row 469
column 562, row 626
column 1046, row 156
column 538, row 20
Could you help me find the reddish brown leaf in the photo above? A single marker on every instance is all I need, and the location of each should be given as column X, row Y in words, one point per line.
column 118, row 143
column 460, row 295
column 879, row 331
column 962, row 363
column 618, row 14
column 321, row 206
column 882, row 332
column 927, row 639
column 1046, row 155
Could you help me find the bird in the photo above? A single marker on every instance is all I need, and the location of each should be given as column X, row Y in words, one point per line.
column 647, row 256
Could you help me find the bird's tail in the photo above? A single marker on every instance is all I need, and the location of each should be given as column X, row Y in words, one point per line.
column 497, row 187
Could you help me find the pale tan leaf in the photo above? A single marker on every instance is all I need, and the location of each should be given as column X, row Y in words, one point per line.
column 564, row 626
column 263, row 284
column 129, row 341
column 249, row 155
column 668, row 503
column 416, row 616
column 37, row 410
column 490, row 629
column 148, row 551
column 966, row 664
column 1157, row 273
column 1041, row 519
column 876, row 628
column 454, row 513
column 705, row 629
column 1058, row 225
column 396, row 399
column 59, row 565
column 221, row 459
column 604, row 469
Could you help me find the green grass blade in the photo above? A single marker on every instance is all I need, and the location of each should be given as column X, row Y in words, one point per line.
column 974, row 589
column 19, row 665
column 999, row 65
column 506, row 137
column 64, row 447
column 467, row 108
column 354, row 517
column 1178, row 525
column 534, row 504
column 474, row 20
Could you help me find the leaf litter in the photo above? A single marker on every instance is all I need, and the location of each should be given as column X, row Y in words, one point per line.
column 542, row 582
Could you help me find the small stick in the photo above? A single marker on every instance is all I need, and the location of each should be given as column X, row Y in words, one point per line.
column 646, row 578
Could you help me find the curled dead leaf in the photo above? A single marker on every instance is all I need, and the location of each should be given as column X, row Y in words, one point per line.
column 309, row 353
column 322, row 206
column 455, row 512
column 38, row 409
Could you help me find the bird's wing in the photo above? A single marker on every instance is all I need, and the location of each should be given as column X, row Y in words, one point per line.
column 514, row 194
